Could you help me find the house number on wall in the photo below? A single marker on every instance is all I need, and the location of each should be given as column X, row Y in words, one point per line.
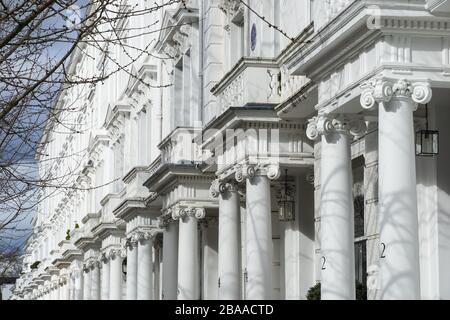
column 324, row 260
column 383, row 248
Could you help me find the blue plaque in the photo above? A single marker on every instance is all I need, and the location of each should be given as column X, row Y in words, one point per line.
column 253, row 37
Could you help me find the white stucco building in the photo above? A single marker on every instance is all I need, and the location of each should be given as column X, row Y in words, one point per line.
column 266, row 166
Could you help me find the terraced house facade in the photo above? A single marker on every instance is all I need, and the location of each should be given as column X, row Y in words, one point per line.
column 281, row 144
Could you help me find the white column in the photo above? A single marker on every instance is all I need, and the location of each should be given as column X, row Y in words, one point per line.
column 61, row 291
column 56, row 291
column 66, row 288
column 399, row 274
column 115, row 287
column 86, row 283
column 170, row 260
column 336, row 218
column 229, row 240
column 336, row 204
column 105, row 279
column 132, row 256
column 259, row 236
column 145, row 266
column 95, row 281
column 78, row 284
column 188, row 258
column 71, row 281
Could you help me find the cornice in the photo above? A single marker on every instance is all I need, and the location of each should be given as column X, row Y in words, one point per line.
column 111, row 196
column 130, row 208
column 174, row 133
column 103, row 230
column 294, row 100
column 133, row 173
column 172, row 173
column 114, row 110
column 90, row 216
column 350, row 26
column 234, row 116
column 61, row 263
column 85, row 243
column 72, row 254
column 52, row 270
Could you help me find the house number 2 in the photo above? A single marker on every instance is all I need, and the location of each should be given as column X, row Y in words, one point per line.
column 383, row 249
column 324, row 260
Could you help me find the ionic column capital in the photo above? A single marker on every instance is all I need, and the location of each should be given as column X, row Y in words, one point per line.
column 219, row 187
column 147, row 235
column 115, row 252
column 380, row 90
column 63, row 279
column 103, row 258
column 165, row 219
column 182, row 212
column 249, row 171
column 131, row 241
column 328, row 124
column 93, row 263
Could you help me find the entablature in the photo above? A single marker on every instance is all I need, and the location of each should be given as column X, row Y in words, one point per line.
column 360, row 39
column 257, row 135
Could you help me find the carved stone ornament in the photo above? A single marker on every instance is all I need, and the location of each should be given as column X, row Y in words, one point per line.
column 180, row 212
column 165, row 219
column 147, row 235
column 327, row 124
column 245, row 172
column 218, row 187
column 380, row 90
column 273, row 172
column 229, row 7
column 113, row 253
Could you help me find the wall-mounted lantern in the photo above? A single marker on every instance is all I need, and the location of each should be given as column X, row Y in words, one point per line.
column 286, row 206
column 427, row 141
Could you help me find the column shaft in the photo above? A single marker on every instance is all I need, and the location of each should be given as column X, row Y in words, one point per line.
column 95, row 283
column 188, row 264
column 170, row 261
column 398, row 222
column 66, row 291
column 229, row 246
column 145, row 270
column 337, row 219
column 105, row 280
column 132, row 256
column 87, row 285
column 115, row 288
column 259, row 239
column 78, row 287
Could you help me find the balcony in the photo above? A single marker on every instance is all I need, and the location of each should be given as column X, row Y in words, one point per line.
column 178, row 148
column 252, row 80
column 256, row 81
column 180, row 156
